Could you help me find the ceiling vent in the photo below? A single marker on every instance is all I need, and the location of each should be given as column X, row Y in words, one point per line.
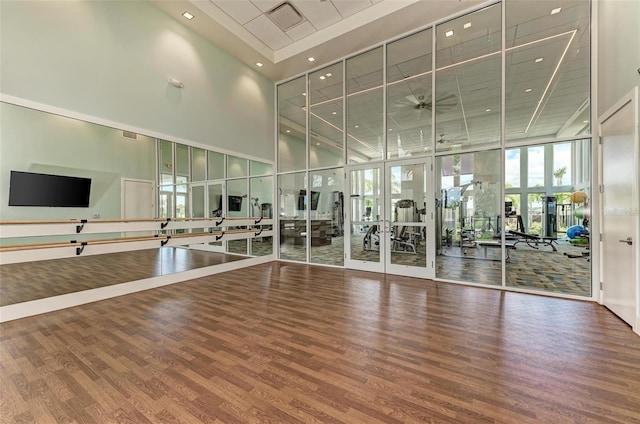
column 129, row 134
column 285, row 16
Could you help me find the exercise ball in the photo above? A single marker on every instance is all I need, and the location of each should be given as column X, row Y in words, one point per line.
column 578, row 197
column 574, row 231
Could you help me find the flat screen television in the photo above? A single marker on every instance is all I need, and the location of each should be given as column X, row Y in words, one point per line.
column 32, row 189
column 302, row 201
column 235, row 203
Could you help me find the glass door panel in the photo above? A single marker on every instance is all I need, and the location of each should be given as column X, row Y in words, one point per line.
column 364, row 238
column 215, row 208
column 408, row 233
column 197, row 208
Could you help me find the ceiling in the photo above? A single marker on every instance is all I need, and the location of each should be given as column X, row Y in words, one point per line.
column 328, row 31
column 543, row 98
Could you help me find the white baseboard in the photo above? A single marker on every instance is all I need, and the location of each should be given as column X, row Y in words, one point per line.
column 41, row 306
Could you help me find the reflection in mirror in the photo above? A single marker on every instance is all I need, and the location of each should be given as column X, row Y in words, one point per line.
column 238, row 205
column 292, row 125
column 215, row 166
column 122, row 169
column 468, row 80
column 261, row 168
column 409, row 101
column 547, row 217
column 326, row 117
column 198, row 164
column 467, row 218
column 547, row 70
column 237, row 167
column 293, row 212
column 326, row 209
column 365, row 135
column 261, row 189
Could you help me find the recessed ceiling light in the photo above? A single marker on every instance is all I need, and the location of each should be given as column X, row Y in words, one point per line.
column 329, row 74
column 288, row 131
column 356, row 126
column 317, row 144
column 467, row 25
column 304, row 94
column 322, row 77
column 488, row 110
column 448, row 33
column 540, row 59
column 334, row 113
column 528, row 90
column 311, row 58
column 259, row 64
column 390, row 129
column 585, row 122
column 187, row 15
column 556, row 10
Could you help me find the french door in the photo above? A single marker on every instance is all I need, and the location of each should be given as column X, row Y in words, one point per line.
column 390, row 218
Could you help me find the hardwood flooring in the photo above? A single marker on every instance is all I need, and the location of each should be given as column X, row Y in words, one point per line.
column 292, row 343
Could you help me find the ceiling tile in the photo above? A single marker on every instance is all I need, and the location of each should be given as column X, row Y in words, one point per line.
column 300, row 31
column 240, row 11
column 321, row 14
column 350, row 7
column 268, row 32
column 265, row 5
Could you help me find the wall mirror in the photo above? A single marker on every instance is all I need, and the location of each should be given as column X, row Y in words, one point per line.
column 133, row 176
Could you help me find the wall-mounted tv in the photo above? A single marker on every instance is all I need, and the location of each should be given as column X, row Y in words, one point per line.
column 302, row 201
column 235, row 203
column 32, row 189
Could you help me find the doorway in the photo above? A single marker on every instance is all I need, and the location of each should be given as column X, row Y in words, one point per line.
column 619, row 137
column 389, row 224
column 137, row 202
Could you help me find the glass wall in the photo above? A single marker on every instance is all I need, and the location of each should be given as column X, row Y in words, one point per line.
column 501, row 104
column 409, row 97
column 467, row 217
column 547, row 220
column 365, row 106
column 293, row 201
column 468, row 80
column 326, row 211
column 326, row 117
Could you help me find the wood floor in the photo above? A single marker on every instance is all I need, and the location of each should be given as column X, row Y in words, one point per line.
column 291, row 343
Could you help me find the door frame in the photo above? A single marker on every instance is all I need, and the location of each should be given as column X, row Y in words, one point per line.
column 354, row 263
column 631, row 97
column 428, row 271
column 123, row 181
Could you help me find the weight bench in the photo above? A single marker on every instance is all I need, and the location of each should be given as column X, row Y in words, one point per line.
column 508, row 244
column 534, row 240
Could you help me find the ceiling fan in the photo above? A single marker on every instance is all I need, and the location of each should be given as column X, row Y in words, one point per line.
column 418, row 103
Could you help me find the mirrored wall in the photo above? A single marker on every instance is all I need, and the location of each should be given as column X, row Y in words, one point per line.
column 134, row 178
column 500, row 98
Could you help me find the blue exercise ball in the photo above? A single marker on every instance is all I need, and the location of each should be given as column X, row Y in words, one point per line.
column 574, row 231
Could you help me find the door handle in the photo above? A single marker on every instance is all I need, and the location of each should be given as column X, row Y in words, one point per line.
column 628, row 240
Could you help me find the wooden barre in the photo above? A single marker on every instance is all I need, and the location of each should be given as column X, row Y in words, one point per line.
column 125, row 220
column 163, row 237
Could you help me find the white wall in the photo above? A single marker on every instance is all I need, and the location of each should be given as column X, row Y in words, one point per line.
column 111, row 60
column 618, row 50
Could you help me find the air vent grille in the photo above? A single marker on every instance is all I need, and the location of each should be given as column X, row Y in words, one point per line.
column 285, row 15
column 130, row 135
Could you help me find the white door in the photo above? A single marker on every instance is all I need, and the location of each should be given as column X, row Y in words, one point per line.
column 137, row 201
column 409, row 218
column 619, row 132
column 364, row 229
